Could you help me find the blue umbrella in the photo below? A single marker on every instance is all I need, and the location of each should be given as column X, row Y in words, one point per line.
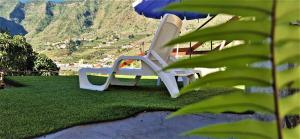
column 154, row 9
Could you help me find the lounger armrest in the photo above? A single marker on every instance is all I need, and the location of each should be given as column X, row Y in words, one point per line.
column 131, row 58
column 142, row 58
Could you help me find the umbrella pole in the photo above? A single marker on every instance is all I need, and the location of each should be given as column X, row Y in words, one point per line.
column 190, row 50
column 177, row 51
column 205, row 23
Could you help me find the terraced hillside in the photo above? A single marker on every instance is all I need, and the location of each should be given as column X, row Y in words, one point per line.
column 73, row 30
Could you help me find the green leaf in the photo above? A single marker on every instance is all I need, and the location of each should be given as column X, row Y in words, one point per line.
column 290, row 105
column 287, row 32
column 260, row 9
column 289, row 17
column 233, row 102
column 246, row 129
column 288, row 76
column 287, row 11
column 296, row 84
column 231, row 57
column 293, row 133
column 287, row 52
column 232, row 77
column 238, row 30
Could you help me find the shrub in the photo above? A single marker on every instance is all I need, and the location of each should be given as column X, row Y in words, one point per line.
column 45, row 65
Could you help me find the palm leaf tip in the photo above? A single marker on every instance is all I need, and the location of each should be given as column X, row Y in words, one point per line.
column 255, row 129
column 180, row 112
column 173, row 42
column 293, row 133
column 186, row 89
column 234, row 102
column 172, row 115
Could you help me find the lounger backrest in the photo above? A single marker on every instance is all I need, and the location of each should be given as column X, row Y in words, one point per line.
column 168, row 29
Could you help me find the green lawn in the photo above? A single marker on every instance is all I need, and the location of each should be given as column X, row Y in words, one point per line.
column 48, row 104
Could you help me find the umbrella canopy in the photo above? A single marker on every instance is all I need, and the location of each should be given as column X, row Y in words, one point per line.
column 154, row 9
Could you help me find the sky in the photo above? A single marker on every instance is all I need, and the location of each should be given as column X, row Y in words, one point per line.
column 48, row 0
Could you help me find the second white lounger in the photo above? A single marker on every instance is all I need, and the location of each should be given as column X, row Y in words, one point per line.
column 152, row 64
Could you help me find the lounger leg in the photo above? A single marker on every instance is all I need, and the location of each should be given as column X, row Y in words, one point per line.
column 171, row 83
column 158, row 81
column 84, row 82
column 137, row 79
column 186, row 81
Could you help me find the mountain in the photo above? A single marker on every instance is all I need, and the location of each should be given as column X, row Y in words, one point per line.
column 12, row 27
column 72, row 30
column 18, row 14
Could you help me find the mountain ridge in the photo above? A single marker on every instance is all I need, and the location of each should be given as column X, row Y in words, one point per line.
column 70, row 31
column 102, row 21
column 12, row 27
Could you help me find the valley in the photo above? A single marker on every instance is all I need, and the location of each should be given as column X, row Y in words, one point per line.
column 82, row 31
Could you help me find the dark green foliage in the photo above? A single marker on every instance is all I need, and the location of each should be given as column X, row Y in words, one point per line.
column 88, row 23
column 89, row 14
column 131, row 36
column 87, row 19
column 73, row 46
column 86, row 13
column 43, row 63
column 47, row 104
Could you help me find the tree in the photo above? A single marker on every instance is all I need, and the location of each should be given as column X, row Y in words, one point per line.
column 272, row 36
column 73, row 46
column 16, row 55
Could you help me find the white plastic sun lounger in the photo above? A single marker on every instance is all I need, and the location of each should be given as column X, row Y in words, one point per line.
column 158, row 57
